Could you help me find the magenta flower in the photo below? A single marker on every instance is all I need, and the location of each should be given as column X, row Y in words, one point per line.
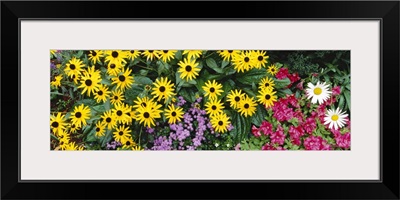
column 282, row 73
column 278, row 136
column 336, row 90
column 256, row 132
column 268, row 146
column 295, row 134
column 316, row 143
column 343, row 141
column 310, row 125
column 266, row 128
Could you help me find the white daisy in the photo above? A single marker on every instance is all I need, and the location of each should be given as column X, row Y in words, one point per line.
column 335, row 118
column 318, row 92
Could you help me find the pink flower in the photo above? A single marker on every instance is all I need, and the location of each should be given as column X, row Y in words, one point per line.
column 316, row 143
column 266, row 128
column 300, row 85
column 343, row 141
column 282, row 73
column 237, row 147
column 268, row 146
column 278, row 136
column 310, row 125
column 336, row 90
column 256, row 132
column 293, row 78
column 295, row 134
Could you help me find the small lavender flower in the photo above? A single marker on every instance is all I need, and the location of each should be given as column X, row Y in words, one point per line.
column 181, row 101
column 230, row 127
column 150, row 130
column 52, row 65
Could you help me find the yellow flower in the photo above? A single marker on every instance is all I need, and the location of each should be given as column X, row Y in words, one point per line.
column 212, row 89
column 100, row 129
column 192, row 53
column 74, row 67
column 80, row 115
column 272, row 69
column 173, row 114
column 235, row 97
column 260, row 58
column 116, row 56
column 228, row 55
column 102, row 94
column 124, row 80
column 220, row 122
column 150, row 54
column 163, row 89
column 57, row 82
column 57, row 123
column 266, row 83
column 166, row 55
column 244, row 61
column 188, row 69
column 267, row 97
column 247, row 107
column 95, row 56
column 122, row 134
column 116, row 97
column 213, row 107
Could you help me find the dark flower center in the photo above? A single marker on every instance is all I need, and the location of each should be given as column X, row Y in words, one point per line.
column 61, row 143
column 162, row 89
column 78, row 114
column 272, row 70
column 112, row 66
column 54, row 124
column 214, row 107
column 212, row 90
column 114, row 54
column 132, row 51
column 144, row 104
column 237, row 99
column 173, row 114
column 94, row 53
column 260, row 58
column 119, row 113
column 72, row 66
column 97, row 129
column 146, row 115
column 116, row 97
column 73, row 76
column 73, row 126
column 121, row 133
column 188, row 68
column 220, row 123
column 150, row 51
column 100, row 92
column 108, row 120
column 88, row 82
column 128, row 143
column 121, row 78
column 246, row 105
column 266, row 84
column 230, row 51
column 246, row 59
column 267, row 97
column 165, row 51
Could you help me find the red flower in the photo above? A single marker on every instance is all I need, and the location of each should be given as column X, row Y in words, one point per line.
column 266, row 128
column 282, row 73
column 336, row 90
column 256, row 132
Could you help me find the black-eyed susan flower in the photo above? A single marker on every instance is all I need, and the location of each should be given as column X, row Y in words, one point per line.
column 122, row 134
column 260, row 58
column 188, row 69
column 266, row 83
column 120, row 113
column 63, row 143
column 116, row 97
column 147, row 115
column 72, row 128
column 267, row 97
column 228, row 55
column 272, row 69
column 95, row 55
column 74, row 67
column 100, row 129
column 132, row 54
column 173, row 114
column 247, row 107
column 116, row 56
column 57, row 123
column 109, row 120
column 128, row 111
column 137, row 148
column 102, row 94
column 213, row 107
column 150, row 54
column 243, row 61
column 220, row 122
column 76, row 78
column 192, row 54
column 63, row 135
column 80, row 114
column 90, row 83
column 57, row 82
column 235, row 97
column 163, row 88
column 128, row 144
column 113, row 68
column 71, row 146
column 141, row 102
column 212, row 89
column 124, row 80
column 166, row 55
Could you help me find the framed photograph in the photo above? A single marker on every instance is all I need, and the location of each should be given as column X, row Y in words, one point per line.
column 258, row 96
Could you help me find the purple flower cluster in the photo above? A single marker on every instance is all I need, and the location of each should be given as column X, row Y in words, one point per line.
column 192, row 128
column 113, row 145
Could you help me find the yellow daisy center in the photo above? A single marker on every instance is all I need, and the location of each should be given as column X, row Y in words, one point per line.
column 335, row 117
column 317, row 91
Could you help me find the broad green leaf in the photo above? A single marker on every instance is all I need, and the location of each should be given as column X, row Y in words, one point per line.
column 259, row 115
column 347, row 96
column 213, row 65
column 283, row 83
column 252, row 76
column 142, row 80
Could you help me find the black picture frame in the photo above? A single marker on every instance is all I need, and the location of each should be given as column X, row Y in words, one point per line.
column 386, row 11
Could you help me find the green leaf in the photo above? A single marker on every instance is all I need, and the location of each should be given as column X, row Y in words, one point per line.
column 187, row 94
column 132, row 93
column 283, row 93
column 227, row 86
column 283, row 83
column 252, row 76
column 213, row 65
column 341, row 102
column 259, row 115
column 241, row 126
column 224, row 64
column 142, row 80
column 86, row 102
column 347, row 96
